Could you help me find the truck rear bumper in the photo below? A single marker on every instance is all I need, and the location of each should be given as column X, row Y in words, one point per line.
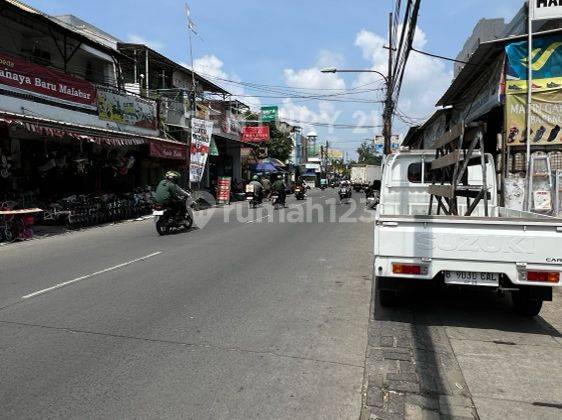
column 511, row 273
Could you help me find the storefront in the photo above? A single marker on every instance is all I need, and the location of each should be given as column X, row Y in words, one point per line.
column 44, row 161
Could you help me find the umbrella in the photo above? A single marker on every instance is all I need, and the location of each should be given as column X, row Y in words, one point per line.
column 265, row 167
column 274, row 162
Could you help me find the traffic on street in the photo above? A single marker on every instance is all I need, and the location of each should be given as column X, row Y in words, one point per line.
column 222, row 210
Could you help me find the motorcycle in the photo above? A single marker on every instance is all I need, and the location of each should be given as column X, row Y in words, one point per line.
column 299, row 193
column 344, row 193
column 276, row 201
column 373, row 198
column 167, row 220
column 251, row 197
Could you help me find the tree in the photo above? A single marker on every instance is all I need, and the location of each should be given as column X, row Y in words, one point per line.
column 367, row 155
column 280, row 144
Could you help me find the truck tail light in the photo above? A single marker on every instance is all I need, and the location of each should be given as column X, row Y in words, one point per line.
column 543, row 276
column 406, row 269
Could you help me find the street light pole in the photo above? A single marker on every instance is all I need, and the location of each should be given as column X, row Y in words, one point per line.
column 388, row 103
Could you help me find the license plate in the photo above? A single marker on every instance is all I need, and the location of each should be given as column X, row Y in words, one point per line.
column 472, row 278
column 158, row 213
column 249, row 198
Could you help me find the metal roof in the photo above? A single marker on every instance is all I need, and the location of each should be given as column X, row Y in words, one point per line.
column 484, row 55
column 206, row 84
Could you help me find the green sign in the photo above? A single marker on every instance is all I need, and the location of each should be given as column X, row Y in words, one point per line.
column 269, row 113
column 213, row 149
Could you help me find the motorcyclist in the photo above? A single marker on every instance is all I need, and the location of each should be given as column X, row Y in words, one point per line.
column 266, row 186
column 257, row 186
column 170, row 194
column 280, row 188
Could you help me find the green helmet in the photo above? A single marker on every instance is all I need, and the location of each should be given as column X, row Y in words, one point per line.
column 255, row 178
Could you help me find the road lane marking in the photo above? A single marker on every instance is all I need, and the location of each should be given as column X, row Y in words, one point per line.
column 256, row 220
column 87, row 276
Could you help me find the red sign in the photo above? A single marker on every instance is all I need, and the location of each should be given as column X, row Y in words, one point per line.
column 255, row 134
column 223, row 190
column 21, row 75
column 168, row 150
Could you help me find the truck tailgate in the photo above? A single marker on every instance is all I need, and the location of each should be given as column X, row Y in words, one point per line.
column 470, row 239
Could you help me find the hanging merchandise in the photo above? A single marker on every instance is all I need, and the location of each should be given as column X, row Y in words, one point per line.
column 540, row 195
column 555, row 160
column 5, row 165
column 514, row 191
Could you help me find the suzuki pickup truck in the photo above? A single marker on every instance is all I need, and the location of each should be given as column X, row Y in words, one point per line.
column 508, row 250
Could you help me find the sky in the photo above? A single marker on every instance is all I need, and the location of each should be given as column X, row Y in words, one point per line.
column 284, row 44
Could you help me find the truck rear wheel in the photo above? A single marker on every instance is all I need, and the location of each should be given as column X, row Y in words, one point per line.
column 525, row 305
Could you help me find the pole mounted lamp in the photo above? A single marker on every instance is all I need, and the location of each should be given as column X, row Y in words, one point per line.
column 388, row 105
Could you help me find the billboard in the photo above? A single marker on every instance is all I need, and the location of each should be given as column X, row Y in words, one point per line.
column 18, row 75
column 546, row 109
column 255, row 134
column 546, row 9
column 126, row 109
column 269, row 113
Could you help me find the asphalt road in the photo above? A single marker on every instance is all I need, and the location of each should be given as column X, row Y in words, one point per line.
column 261, row 316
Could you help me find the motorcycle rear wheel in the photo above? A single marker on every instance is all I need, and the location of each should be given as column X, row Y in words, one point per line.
column 162, row 226
column 188, row 221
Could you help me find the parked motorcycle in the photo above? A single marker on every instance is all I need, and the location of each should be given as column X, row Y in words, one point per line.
column 299, row 193
column 167, row 220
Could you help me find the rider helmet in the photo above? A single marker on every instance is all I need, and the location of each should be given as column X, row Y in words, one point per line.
column 173, row 176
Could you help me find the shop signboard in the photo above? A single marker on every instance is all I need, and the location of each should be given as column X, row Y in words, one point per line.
column 546, row 9
column 269, row 113
column 201, row 134
column 168, row 150
column 223, row 190
column 20, row 76
column 255, row 134
column 126, row 109
column 335, row 154
column 546, row 108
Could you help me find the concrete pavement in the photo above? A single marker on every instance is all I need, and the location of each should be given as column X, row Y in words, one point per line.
column 248, row 319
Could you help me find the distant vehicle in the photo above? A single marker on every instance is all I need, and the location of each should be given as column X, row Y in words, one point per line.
column 299, row 192
column 363, row 175
column 510, row 250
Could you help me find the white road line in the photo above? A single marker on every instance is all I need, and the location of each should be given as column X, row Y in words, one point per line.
column 87, row 276
column 256, row 220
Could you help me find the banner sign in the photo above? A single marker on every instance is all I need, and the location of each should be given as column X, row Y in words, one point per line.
column 18, row 75
column 546, row 9
column 546, row 118
column 168, row 150
column 255, row 134
column 223, row 190
column 201, row 134
column 269, row 113
column 546, row 109
column 126, row 109
column 546, row 64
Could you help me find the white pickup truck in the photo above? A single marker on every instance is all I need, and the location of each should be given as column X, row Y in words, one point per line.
column 511, row 250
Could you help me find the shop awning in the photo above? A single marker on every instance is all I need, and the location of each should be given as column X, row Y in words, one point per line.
column 51, row 128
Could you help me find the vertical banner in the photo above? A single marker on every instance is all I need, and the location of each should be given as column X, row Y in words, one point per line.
column 223, row 190
column 201, row 133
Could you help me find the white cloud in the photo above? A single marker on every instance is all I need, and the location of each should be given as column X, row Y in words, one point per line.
column 425, row 78
column 138, row 39
column 312, row 78
column 211, row 67
column 327, row 58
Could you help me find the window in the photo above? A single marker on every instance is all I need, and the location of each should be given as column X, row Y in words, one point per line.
column 415, row 173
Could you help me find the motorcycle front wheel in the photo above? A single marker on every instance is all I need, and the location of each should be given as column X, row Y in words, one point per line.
column 188, row 221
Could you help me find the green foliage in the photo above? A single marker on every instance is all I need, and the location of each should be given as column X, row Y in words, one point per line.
column 367, row 155
column 280, row 145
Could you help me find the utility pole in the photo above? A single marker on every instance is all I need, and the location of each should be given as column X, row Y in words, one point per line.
column 193, row 96
column 388, row 105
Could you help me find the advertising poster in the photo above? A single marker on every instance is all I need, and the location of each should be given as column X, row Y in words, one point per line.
column 201, row 134
column 126, row 109
column 223, row 190
column 21, row 76
column 255, row 134
column 546, row 116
